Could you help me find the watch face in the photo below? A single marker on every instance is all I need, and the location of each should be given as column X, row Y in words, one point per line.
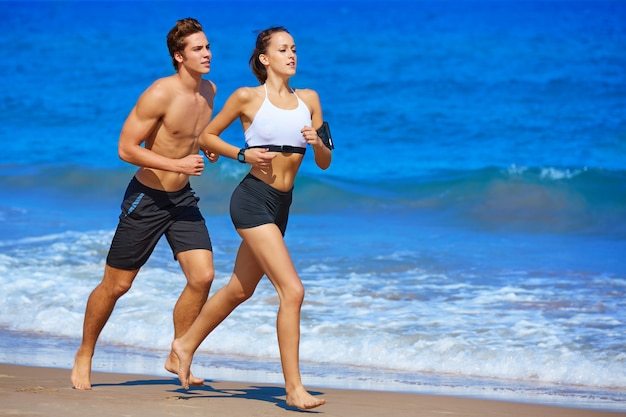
column 240, row 156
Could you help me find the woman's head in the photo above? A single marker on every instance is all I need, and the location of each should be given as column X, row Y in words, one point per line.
column 178, row 34
column 263, row 41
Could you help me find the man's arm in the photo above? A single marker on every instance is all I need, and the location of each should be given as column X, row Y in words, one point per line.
column 140, row 124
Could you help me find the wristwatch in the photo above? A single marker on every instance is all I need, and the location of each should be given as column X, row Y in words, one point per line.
column 241, row 156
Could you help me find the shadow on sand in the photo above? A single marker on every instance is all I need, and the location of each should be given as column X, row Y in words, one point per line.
column 270, row 394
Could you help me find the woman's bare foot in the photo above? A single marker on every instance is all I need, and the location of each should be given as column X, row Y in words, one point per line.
column 81, row 372
column 172, row 364
column 184, row 363
column 301, row 399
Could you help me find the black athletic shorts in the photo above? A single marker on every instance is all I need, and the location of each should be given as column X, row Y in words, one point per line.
column 254, row 203
column 147, row 214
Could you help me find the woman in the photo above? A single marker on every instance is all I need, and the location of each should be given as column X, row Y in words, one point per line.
column 277, row 121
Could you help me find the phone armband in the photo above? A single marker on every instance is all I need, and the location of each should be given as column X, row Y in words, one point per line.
column 324, row 133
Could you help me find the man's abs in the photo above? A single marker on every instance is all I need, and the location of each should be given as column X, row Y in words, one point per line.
column 161, row 180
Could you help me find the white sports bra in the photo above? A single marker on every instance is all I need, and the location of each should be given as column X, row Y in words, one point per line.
column 278, row 129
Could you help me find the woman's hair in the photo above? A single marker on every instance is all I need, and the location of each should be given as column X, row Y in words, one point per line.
column 262, row 42
column 176, row 36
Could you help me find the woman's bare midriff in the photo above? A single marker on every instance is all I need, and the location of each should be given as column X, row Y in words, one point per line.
column 281, row 175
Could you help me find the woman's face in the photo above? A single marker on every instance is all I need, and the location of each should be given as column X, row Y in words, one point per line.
column 281, row 54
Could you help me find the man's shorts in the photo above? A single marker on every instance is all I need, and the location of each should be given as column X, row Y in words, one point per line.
column 147, row 214
column 254, row 203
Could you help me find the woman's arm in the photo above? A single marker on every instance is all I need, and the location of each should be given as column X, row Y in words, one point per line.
column 233, row 109
column 323, row 155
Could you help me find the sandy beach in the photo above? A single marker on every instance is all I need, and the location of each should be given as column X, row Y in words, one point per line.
column 38, row 391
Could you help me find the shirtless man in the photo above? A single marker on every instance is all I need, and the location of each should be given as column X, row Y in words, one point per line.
column 168, row 119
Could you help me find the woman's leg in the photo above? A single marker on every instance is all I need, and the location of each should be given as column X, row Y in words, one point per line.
column 270, row 251
column 246, row 275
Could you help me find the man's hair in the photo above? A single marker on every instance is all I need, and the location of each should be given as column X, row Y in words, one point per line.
column 176, row 36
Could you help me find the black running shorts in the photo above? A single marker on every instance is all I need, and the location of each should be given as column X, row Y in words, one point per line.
column 254, row 203
column 147, row 214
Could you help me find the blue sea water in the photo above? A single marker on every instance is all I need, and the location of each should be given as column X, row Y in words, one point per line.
column 469, row 238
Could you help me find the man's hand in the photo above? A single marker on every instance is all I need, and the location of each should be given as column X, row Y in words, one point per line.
column 211, row 156
column 191, row 165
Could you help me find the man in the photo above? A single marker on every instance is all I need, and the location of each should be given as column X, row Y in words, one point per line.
column 167, row 119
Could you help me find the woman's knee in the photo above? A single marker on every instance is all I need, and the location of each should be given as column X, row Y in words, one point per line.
column 293, row 295
column 238, row 294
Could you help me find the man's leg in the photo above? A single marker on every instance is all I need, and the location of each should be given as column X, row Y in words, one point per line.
column 115, row 283
column 197, row 265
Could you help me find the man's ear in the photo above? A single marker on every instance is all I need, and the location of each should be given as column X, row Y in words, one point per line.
column 179, row 57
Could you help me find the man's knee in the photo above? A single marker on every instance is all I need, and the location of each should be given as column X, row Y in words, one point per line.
column 201, row 279
column 197, row 265
column 117, row 282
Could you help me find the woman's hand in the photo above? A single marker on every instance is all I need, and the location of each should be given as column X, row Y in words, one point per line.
column 310, row 135
column 259, row 158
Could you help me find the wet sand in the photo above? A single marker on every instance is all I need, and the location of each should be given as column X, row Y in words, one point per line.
column 38, row 391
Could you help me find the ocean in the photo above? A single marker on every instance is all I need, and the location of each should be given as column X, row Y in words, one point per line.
column 468, row 239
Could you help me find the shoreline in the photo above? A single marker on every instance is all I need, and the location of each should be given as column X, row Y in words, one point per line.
column 34, row 350
column 33, row 390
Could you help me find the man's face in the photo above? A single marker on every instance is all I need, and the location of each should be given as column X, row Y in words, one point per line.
column 197, row 54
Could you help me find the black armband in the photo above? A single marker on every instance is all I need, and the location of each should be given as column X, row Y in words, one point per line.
column 324, row 133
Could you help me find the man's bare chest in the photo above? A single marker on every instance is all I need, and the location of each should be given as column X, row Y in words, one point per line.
column 188, row 118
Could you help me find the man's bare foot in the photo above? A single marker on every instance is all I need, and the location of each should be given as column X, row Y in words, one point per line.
column 81, row 372
column 301, row 399
column 184, row 364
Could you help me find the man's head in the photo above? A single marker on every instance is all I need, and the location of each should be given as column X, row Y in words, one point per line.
column 177, row 36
